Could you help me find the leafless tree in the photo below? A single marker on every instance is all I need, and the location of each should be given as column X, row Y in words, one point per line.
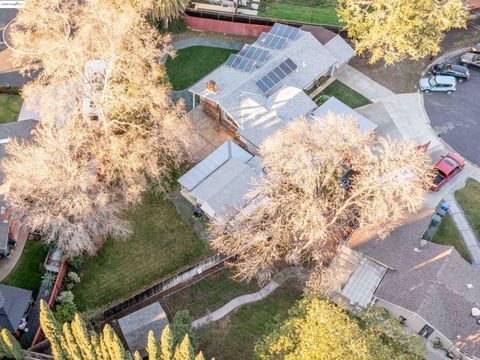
column 103, row 54
column 302, row 210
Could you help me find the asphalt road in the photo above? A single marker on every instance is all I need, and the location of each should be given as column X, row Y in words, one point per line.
column 456, row 117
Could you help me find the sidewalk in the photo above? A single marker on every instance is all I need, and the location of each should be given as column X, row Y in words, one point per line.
column 465, row 229
column 362, row 84
column 7, row 265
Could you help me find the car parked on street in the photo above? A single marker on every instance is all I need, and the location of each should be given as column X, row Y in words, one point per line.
column 446, row 168
column 438, row 83
column 475, row 48
column 459, row 72
column 471, row 60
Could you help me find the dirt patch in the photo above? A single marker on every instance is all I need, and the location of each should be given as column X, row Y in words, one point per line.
column 403, row 77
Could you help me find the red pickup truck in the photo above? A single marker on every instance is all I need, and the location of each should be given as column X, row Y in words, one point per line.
column 446, row 168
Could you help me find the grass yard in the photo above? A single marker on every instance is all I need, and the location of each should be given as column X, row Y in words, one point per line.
column 162, row 244
column 469, row 200
column 193, row 63
column 209, row 294
column 234, row 336
column 27, row 273
column 316, row 11
column 9, row 107
column 345, row 94
column 448, row 234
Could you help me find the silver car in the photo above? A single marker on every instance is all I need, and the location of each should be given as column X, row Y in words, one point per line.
column 438, row 83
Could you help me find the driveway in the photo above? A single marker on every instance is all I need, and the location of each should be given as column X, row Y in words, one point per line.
column 456, row 118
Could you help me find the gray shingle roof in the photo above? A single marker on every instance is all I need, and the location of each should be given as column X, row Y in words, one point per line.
column 13, row 304
column 430, row 281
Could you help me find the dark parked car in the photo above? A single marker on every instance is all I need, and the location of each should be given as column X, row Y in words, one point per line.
column 475, row 48
column 470, row 60
column 457, row 71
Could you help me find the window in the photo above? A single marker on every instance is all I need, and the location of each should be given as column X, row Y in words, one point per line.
column 426, row 331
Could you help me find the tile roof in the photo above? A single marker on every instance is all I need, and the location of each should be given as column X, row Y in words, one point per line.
column 430, row 280
column 13, row 304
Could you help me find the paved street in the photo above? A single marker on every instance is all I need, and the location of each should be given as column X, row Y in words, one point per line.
column 456, row 117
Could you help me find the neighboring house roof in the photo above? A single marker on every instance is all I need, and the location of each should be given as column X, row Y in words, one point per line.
column 335, row 106
column 340, row 49
column 220, row 182
column 20, row 130
column 13, row 305
column 433, row 281
column 242, row 100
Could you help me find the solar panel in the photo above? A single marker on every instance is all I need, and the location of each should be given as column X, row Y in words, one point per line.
column 255, row 53
column 266, row 83
column 271, row 41
column 241, row 63
column 287, row 32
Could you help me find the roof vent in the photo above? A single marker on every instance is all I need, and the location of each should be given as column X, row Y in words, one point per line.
column 423, row 243
column 5, row 141
column 475, row 312
column 469, row 286
column 212, row 86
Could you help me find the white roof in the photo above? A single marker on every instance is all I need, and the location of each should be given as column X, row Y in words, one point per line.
column 363, row 282
column 335, row 106
column 340, row 49
column 225, row 189
column 287, row 104
column 239, row 96
column 228, row 150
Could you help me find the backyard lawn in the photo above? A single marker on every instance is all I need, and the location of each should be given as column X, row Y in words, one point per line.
column 448, row 234
column 193, row 63
column 345, row 94
column 234, row 336
column 469, row 200
column 209, row 294
column 162, row 244
column 27, row 273
column 311, row 11
column 9, row 107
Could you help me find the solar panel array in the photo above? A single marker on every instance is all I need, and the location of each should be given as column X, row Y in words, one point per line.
column 272, row 41
column 255, row 53
column 287, row 32
column 240, row 63
column 269, row 81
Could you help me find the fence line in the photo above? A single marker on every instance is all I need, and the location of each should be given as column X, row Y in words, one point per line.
column 162, row 286
column 252, row 19
column 56, row 289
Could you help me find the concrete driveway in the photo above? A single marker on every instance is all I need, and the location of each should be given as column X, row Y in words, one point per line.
column 456, row 118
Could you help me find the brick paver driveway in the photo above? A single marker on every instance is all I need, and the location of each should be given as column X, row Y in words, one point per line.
column 456, row 117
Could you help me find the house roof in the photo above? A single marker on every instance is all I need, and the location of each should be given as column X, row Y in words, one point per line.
column 335, row 106
column 287, row 104
column 243, row 101
column 228, row 150
column 221, row 181
column 321, row 34
column 13, row 304
column 433, row 280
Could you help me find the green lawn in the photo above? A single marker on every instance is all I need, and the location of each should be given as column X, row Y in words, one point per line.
column 161, row 245
column 209, row 294
column 345, row 94
column 193, row 63
column 27, row 273
column 234, row 336
column 300, row 10
column 469, row 199
column 9, row 107
column 448, row 234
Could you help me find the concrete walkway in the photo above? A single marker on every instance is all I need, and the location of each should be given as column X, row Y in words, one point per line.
column 235, row 303
column 7, row 264
column 468, row 235
column 362, row 84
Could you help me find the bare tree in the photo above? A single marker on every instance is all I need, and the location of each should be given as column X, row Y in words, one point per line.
column 302, row 208
column 102, row 83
